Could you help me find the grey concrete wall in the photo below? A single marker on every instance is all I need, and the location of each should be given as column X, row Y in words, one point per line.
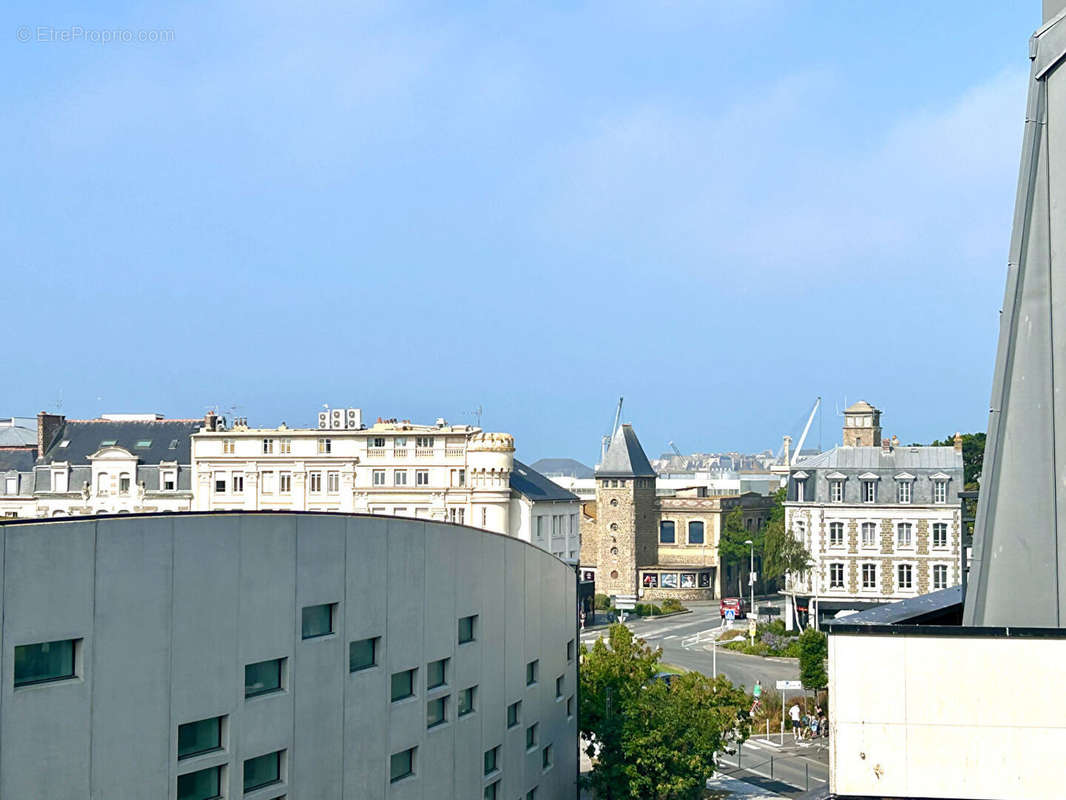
column 171, row 608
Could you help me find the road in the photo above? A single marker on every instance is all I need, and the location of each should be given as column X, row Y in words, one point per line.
column 740, row 669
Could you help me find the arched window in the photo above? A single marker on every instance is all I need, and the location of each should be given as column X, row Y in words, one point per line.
column 102, row 483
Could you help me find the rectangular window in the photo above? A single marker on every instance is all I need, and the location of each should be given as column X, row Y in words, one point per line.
column 467, row 629
column 378, row 442
column 466, row 701
column 325, row 446
column 237, row 482
column 378, row 477
column 437, row 673
column 437, row 712
column 532, row 671
column 940, row 534
column 459, row 477
column 170, row 481
column 940, row 491
column 286, row 446
column 531, row 736
column 546, row 757
column 457, row 515
column 220, row 483
column 905, row 575
column 559, row 684
column 45, row 662
column 333, row 482
column 262, row 771
column 903, row 534
column 903, row 492
column 316, row 481
column 199, row 737
column 666, row 532
column 268, row 447
column 570, row 652
column 203, row 785
column 492, row 791
column 263, row 677
column 836, row 491
column 940, row 576
column 801, row 486
column 836, row 534
column 869, row 576
column 363, row 654
column 228, row 447
column 695, row 532
column 869, row 491
column 285, row 482
column 492, row 760
column 401, row 765
column 421, row 477
column 869, row 534
column 317, row 621
column 399, row 477
column 570, row 707
column 540, row 527
column 423, row 441
column 403, row 685
column 836, row 576
column 10, row 485
column 514, row 713
column 59, row 481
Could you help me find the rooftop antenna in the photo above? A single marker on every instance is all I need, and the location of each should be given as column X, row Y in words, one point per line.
column 477, row 412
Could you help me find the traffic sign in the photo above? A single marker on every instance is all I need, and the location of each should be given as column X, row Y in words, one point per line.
column 790, row 686
column 625, row 602
column 730, row 615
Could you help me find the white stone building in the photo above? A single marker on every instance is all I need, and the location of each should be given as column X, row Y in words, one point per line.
column 452, row 473
column 881, row 521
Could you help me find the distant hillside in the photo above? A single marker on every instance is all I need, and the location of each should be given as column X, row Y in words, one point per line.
column 565, row 467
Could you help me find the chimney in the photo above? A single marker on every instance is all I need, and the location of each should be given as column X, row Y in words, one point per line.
column 210, row 421
column 48, row 425
column 886, row 447
column 958, row 442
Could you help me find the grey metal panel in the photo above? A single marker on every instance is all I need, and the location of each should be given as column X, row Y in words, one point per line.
column 625, row 457
column 1018, row 563
column 132, row 627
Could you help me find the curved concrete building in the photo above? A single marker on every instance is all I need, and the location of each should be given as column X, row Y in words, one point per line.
column 270, row 655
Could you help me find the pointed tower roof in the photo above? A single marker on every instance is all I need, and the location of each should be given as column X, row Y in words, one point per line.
column 1018, row 575
column 858, row 408
column 625, row 457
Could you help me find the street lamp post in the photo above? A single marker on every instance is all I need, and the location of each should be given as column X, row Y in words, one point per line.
column 751, row 575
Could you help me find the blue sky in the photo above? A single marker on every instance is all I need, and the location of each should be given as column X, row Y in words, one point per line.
column 716, row 209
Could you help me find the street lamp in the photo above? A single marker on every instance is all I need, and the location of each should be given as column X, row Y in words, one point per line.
column 751, row 575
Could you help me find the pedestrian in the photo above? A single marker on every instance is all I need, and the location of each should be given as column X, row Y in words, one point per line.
column 794, row 717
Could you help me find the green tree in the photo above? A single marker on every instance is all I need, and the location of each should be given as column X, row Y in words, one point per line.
column 648, row 739
column 783, row 553
column 732, row 548
column 814, row 648
column 973, row 456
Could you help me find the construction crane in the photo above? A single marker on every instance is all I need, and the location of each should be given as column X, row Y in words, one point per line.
column 806, row 430
column 614, row 428
column 676, row 451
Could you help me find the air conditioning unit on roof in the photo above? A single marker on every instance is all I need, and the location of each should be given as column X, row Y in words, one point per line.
column 323, row 420
column 354, row 419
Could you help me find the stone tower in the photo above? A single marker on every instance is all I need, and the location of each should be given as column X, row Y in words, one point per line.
column 862, row 425
column 626, row 535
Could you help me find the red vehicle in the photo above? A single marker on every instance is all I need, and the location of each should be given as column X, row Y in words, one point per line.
column 735, row 603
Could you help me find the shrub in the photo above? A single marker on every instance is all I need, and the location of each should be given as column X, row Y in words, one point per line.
column 672, row 604
column 602, row 602
column 814, row 648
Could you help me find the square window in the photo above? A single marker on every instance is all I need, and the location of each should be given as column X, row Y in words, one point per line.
column 268, row 447
column 667, row 534
column 403, row 685
column 559, row 687
column 514, row 713
column 263, row 677
column 492, row 758
column 262, row 771
column 401, row 765
column 286, row 446
column 531, row 736
column 317, row 620
column 363, row 654
column 532, row 671
column 437, row 673
column 467, row 629
column 199, row 737
column 546, row 757
column 203, row 785
column 467, row 699
column 169, row 482
column 325, row 446
column 421, row 477
column 378, row 477
column 45, row 662
column 437, row 712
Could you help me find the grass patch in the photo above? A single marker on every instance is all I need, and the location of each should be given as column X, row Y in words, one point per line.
column 673, row 669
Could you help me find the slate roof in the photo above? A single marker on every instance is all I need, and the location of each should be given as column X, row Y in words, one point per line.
column 875, row 458
column 530, row 483
column 566, row 467
column 625, row 457
column 169, row 439
column 18, row 459
column 18, row 436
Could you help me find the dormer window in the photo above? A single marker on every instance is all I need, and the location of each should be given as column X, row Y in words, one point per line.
column 169, row 480
column 904, row 484
column 59, row 480
column 836, row 487
column 801, row 486
column 102, row 484
column 869, row 487
column 65, row 443
column 940, row 487
column 124, row 483
column 143, row 443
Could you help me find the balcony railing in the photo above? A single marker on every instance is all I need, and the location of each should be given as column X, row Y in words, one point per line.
column 375, row 452
column 423, row 452
column 454, row 452
column 399, row 452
